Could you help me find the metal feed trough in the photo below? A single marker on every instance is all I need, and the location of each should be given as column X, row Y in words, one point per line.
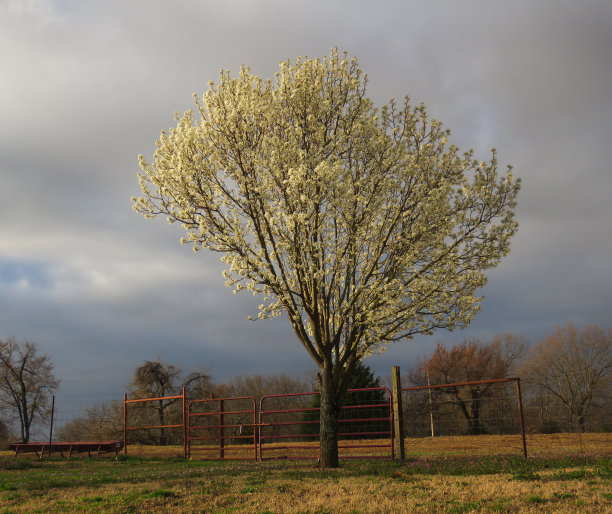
column 71, row 447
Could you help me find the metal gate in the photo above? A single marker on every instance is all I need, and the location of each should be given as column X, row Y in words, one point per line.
column 145, row 423
column 222, row 428
column 289, row 425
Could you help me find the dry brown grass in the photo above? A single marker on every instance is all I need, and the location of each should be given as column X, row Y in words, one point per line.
column 538, row 445
column 280, row 486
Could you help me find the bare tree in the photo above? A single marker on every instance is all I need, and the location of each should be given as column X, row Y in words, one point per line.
column 260, row 385
column 471, row 361
column 27, row 382
column 155, row 379
column 571, row 368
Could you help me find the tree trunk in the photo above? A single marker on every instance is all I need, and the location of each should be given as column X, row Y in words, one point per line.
column 329, row 414
column 25, row 430
column 25, row 421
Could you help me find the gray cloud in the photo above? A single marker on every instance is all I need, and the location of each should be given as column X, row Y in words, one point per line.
column 86, row 87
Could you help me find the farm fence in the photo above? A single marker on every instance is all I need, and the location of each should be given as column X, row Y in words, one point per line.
column 222, row 428
column 436, row 419
column 289, row 425
column 374, row 423
column 163, row 413
column 286, row 426
column 486, row 407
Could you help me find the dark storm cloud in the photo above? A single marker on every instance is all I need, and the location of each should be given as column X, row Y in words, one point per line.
column 86, row 87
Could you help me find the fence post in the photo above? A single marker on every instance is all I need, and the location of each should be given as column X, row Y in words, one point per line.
column 398, row 418
column 221, row 431
column 124, row 423
column 520, row 409
column 185, row 429
column 51, row 429
column 259, row 426
column 431, row 421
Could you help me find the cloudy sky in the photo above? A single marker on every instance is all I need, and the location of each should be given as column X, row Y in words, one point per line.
column 87, row 86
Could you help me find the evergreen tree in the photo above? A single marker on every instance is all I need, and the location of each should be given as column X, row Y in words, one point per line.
column 364, row 412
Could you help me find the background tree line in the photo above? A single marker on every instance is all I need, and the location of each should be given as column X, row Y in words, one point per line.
column 155, row 379
column 565, row 378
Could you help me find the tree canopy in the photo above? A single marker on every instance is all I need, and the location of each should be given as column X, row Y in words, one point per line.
column 364, row 225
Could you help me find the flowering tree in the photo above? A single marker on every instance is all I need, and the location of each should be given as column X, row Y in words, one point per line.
column 365, row 226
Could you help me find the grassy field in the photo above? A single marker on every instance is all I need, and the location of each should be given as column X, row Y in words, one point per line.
column 565, row 474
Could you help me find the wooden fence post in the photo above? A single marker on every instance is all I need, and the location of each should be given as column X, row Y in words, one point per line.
column 51, row 429
column 522, row 419
column 398, row 418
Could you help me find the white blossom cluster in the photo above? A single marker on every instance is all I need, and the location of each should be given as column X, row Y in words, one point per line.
column 364, row 225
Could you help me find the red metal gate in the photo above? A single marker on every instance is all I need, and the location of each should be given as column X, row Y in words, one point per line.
column 222, row 428
column 151, row 426
column 289, row 425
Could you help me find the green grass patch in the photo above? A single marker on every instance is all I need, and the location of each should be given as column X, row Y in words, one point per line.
column 525, row 476
column 536, row 499
column 603, row 468
column 563, row 496
column 161, row 493
column 93, row 499
column 253, row 483
column 574, row 474
column 456, row 507
column 95, row 472
column 13, row 463
column 501, row 505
